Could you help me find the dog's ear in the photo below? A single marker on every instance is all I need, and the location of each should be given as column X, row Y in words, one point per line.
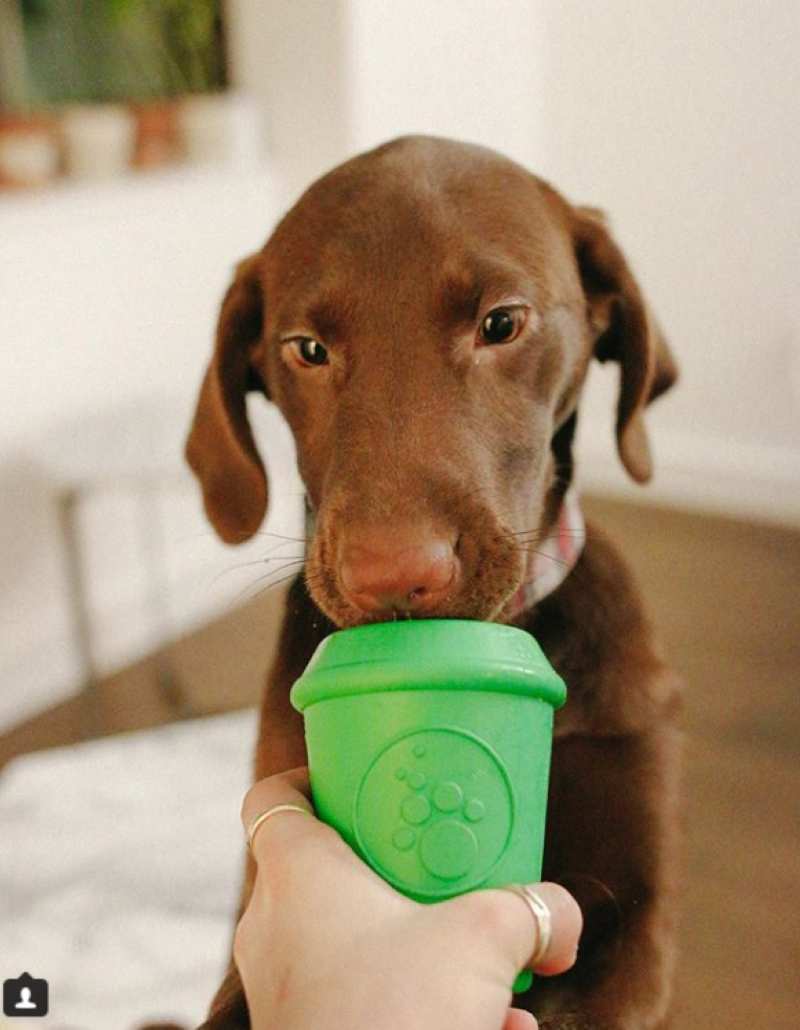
column 220, row 449
column 624, row 330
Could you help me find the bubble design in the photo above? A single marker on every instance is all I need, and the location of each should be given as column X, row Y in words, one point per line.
column 453, row 812
column 449, row 850
column 416, row 810
column 448, row 797
column 404, row 838
column 474, row 810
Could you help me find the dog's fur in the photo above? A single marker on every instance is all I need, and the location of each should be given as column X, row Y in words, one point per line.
column 424, row 451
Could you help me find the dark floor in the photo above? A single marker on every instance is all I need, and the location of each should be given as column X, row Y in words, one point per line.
column 726, row 596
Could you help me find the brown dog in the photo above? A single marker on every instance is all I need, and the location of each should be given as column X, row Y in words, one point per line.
column 424, row 318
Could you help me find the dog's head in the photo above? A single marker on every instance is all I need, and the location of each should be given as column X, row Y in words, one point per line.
column 424, row 318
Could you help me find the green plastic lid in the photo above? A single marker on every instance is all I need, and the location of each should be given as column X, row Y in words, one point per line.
column 432, row 654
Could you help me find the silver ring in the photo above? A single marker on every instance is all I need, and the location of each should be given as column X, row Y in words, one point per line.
column 260, row 819
column 542, row 916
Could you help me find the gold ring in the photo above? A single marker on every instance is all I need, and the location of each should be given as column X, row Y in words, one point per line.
column 260, row 819
column 541, row 914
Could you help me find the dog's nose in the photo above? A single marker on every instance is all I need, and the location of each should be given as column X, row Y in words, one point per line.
column 400, row 570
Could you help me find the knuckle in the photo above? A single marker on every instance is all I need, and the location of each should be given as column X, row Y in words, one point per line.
column 493, row 916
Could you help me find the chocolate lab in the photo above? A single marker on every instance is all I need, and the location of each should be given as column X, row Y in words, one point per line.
column 424, row 318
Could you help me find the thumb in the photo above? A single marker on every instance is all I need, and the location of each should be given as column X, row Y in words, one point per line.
column 517, row 1019
column 503, row 923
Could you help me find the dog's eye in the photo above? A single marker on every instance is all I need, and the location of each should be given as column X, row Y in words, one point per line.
column 501, row 325
column 309, row 351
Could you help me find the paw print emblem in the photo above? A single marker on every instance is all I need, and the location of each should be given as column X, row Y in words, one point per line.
column 434, row 812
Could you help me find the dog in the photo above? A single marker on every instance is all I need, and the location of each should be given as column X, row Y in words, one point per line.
column 425, row 317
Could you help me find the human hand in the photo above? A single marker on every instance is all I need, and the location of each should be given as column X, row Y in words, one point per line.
column 326, row 943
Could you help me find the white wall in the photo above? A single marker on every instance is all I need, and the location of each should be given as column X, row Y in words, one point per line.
column 333, row 77
column 681, row 119
column 291, row 56
column 461, row 68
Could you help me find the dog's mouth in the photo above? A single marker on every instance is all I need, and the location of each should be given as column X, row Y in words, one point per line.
column 464, row 577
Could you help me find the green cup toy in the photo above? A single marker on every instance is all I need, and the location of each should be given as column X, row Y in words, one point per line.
column 429, row 750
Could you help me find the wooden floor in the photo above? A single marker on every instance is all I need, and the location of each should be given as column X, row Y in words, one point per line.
column 726, row 596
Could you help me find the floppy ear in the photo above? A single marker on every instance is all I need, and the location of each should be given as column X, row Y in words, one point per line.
column 625, row 331
column 220, row 448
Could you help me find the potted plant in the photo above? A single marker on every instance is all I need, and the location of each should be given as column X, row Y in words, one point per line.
column 98, row 139
column 98, row 127
column 138, row 81
column 29, row 151
column 54, row 57
column 157, row 132
column 208, row 112
column 155, row 79
column 173, row 50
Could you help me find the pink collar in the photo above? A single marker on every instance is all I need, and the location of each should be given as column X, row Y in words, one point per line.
column 555, row 556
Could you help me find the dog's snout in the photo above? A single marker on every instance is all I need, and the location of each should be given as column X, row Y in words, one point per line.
column 400, row 570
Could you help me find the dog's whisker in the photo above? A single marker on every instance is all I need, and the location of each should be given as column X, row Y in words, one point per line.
column 243, row 536
column 256, row 561
column 523, row 541
column 284, row 542
column 273, row 572
column 528, row 546
column 531, row 537
column 273, row 586
column 552, row 557
column 573, row 569
column 284, row 536
column 555, row 531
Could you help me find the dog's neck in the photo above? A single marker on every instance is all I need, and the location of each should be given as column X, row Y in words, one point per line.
column 554, row 557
